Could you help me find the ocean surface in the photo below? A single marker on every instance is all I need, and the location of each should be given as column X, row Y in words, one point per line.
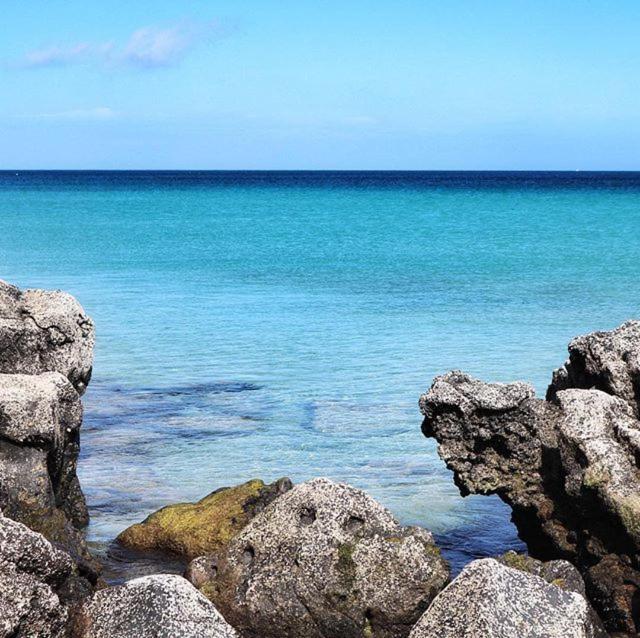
column 263, row 324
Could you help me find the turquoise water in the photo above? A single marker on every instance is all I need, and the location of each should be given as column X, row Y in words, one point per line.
column 270, row 324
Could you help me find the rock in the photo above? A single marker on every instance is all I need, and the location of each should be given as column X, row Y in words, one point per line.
column 567, row 466
column 607, row 361
column 490, row 600
column 40, row 419
column 31, row 553
column 560, row 573
column 160, row 606
column 33, row 573
column 45, row 331
column 323, row 560
column 28, row 607
column 194, row 529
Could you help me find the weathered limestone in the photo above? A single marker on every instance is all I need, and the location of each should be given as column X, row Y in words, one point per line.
column 161, row 606
column 45, row 331
column 490, row 600
column 567, row 466
column 35, row 578
column 607, row 361
column 205, row 527
column 323, row 560
column 46, row 351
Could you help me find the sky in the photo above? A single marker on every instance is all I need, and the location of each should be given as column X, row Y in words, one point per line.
column 324, row 84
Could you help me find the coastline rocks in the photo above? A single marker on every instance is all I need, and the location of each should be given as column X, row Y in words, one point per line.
column 607, row 361
column 491, row 600
column 323, row 560
column 44, row 331
column 33, row 576
column 204, row 527
column 160, row 606
column 40, row 419
column 568, row 467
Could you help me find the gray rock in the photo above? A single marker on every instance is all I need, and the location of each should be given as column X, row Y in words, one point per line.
column 323, row 560
column 607, row 361
column 568, row 467
column 28, row 607
column 31, row 572
column 40, row 418
column 490, row 600
column 44, row 331
column 31, row 553
column 160, row 606
column 560, row 573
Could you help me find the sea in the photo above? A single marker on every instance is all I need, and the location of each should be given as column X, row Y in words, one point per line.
column 268, row 324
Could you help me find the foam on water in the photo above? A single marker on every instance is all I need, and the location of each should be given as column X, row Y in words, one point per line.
column 270, row 324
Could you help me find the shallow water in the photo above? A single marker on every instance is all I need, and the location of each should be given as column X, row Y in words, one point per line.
column 270, row 324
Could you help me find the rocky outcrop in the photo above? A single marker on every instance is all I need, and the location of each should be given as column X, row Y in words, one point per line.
column 36, row 581
column 568, row 466
column 490, row 600
column 161, row 606
column 193, row 529
column 323, row 560
column 45, row 331
column 40, row 418
column 607, row 361
column 46, row 351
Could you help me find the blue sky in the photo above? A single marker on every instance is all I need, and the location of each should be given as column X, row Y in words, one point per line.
column 324, row 84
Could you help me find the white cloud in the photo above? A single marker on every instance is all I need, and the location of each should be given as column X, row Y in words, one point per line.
column 154, row 47
column 56, row 55
column 147, row 47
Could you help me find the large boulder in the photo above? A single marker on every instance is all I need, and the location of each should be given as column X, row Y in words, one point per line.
column 45, row 331
column 160, row 606
column 194, row 529
column 491, row 600
column 40, row 419
column 568, row 466
column 35, row 582
column 323, row 560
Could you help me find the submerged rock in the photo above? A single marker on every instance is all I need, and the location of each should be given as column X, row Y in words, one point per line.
column 160, row 606
column 45, row 331
column 568, row 466
column 491, row 600
column 323, row 560
column 194, row 529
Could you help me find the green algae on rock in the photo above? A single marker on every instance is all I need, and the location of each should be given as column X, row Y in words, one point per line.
column 204, row 527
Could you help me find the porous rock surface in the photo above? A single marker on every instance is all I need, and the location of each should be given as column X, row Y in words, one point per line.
column 45, row 331
column 33, row 577
column 491, row 600
column 40, row 419
column 323, row 560
column 567, row 466
column 204, row 527
column 159, row 606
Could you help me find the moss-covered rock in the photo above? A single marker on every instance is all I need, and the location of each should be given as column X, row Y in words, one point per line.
column 204, row 527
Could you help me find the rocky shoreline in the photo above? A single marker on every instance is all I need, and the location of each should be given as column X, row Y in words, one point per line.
column 323, row 559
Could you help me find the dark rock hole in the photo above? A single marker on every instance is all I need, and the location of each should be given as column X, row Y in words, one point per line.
column 307, row 515
column 355, row 524
column 248, row 555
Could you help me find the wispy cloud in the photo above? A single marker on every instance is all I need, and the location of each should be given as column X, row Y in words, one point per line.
column 97, row 113
column 147, row 47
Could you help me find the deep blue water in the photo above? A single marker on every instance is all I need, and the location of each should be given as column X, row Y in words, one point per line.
column 267, row 324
